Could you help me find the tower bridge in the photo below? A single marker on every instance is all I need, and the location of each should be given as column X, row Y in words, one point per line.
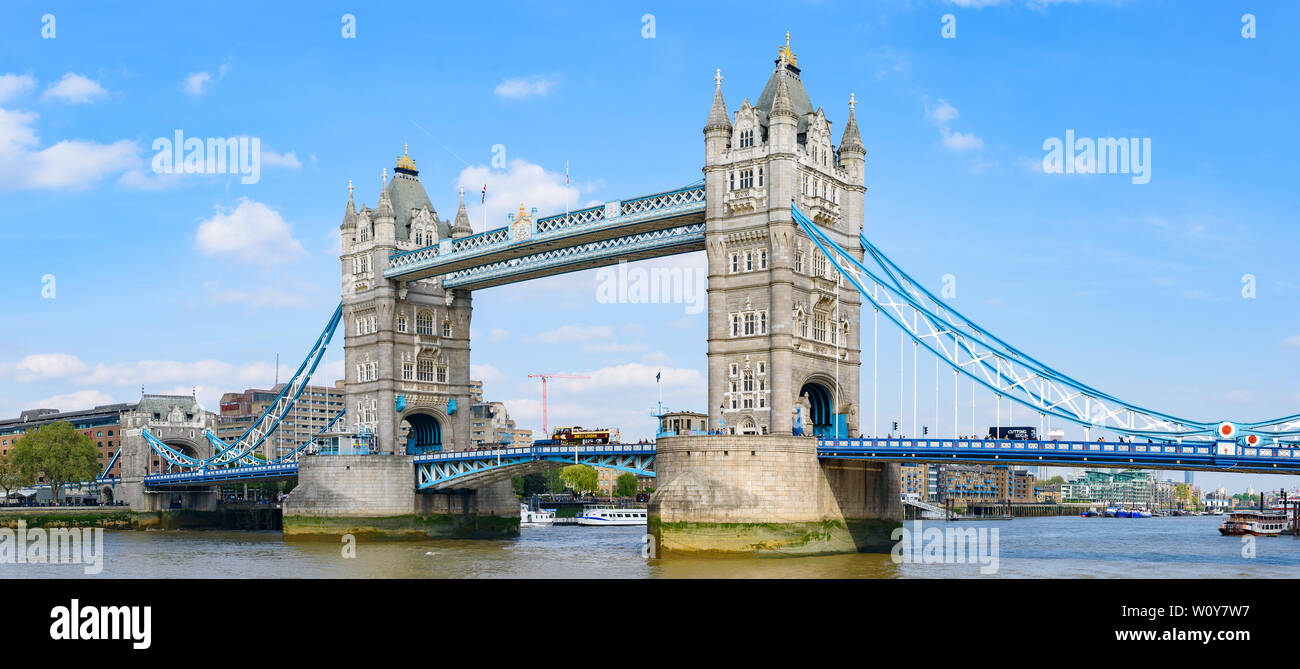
column 785, row 466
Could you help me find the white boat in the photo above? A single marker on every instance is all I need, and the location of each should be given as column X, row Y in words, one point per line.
column 539, row 518
column 608, row 515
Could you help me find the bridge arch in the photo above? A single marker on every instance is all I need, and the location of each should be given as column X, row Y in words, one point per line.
column 819, row 392
column 423, row 430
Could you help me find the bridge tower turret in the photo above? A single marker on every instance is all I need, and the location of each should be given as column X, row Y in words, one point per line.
column 783, row 336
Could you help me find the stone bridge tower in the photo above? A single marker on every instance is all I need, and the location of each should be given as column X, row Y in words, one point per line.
column 783, row 337
column 182, row 424
column 406, row 342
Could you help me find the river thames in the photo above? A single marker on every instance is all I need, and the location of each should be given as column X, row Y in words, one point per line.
column 1061, row 547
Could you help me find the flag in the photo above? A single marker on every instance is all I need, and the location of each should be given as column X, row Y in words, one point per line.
column 657, row 376
column 484, row 194
column 566, row 173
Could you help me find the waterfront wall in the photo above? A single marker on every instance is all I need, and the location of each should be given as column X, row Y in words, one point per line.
column 374, row 495
column 768, row 494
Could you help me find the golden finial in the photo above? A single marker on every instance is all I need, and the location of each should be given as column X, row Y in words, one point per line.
column 521, row 210
column 405, row 161
column 785, row 52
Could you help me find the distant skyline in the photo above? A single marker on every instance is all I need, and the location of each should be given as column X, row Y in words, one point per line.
column 120, row 275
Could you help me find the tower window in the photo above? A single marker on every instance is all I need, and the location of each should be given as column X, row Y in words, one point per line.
column 446, row 328
column 424, row 323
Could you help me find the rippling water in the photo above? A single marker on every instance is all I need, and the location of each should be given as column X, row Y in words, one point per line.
column 1065, row 547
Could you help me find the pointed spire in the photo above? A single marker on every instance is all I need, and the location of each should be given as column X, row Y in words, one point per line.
column 852, row 139
column 349, row 212
column 781, row 105
column 461, row 227
column 718, row 117
column 385, row 207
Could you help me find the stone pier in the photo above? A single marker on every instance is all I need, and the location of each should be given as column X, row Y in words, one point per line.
column 375, row 496
column 767, row 494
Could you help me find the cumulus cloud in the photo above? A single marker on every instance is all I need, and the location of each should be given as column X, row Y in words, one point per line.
column 42, row 366
column 15, row 85
column 943, row 115
column 523, row 182
column 81, row 399
column 523, row 87
column 75, row 88
column 251, row 233
column 66, row 165
column 197, row 83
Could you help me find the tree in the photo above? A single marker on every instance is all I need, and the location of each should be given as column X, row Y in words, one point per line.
column 58, row 451
column 554, row 484
column 581, row 478
column 10, row 475
column 625, row 486
column 530, row 484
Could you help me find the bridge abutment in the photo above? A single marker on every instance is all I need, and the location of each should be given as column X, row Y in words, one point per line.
column 375, row 496
column 768, row 494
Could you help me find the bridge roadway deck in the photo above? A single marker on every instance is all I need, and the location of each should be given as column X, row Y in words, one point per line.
column 469, row 469
column 1195, row 456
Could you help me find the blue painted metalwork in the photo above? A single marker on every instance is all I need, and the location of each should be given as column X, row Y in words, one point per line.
column 210, row 476
column 112, row 461
column 239, row 452
column 992, row 363
column 668, row 241
column 575, row 228
column 1227, row 456
column 453, row 469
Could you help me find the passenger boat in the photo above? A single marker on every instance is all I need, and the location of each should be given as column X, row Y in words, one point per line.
column 539, row 518
column 1256, row 523
column 608, row 515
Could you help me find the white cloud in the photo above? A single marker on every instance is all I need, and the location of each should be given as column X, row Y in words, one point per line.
column 1293, row 341
column 252, row 233
column 14, row 85
column 81, row 399
column 68, row 164
column 196, row 83
column 499, row 334
column 522, row 87
column 523, row 182
column 274, row 159
column 961, row 141
column 43, row 366
column 74, row 87
column 488, row 374
column 943, row 115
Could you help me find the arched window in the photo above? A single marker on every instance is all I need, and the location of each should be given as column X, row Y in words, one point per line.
column 446, row 328
column 401, row 322
column 424, row 323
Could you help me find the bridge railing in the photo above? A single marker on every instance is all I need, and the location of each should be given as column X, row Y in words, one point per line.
column 609, row 214
column 1170, row 452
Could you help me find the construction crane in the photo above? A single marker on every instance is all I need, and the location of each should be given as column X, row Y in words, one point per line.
column 546, row 428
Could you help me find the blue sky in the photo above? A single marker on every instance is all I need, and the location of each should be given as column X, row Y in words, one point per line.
column 181, row 281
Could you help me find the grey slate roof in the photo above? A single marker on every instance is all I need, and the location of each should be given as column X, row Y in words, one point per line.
column 794, row 88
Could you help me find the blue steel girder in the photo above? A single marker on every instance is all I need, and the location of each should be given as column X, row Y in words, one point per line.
column 1225, row 456
column 604, row 222
column 474, row 469
column 640, row 246
column 197, row 477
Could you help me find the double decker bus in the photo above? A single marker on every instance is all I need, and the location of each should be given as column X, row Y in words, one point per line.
column 579, row 436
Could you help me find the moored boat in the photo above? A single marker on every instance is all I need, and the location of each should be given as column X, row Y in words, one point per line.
column 1255, row 523
column 608, row 515
column 538, row 518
